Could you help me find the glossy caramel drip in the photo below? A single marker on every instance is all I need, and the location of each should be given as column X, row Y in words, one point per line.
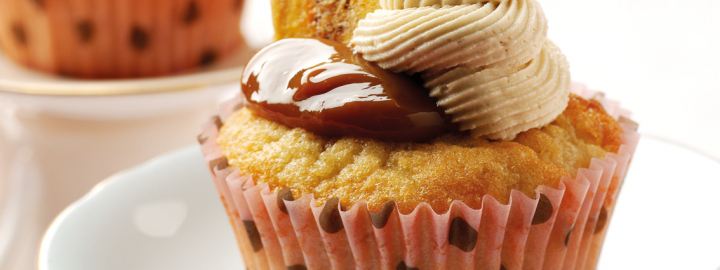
column 321, row 86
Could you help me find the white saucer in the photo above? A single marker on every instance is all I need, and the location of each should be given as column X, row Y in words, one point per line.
column 165, row 215
column 38, row 93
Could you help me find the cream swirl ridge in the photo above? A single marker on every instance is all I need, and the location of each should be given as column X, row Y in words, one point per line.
column 488, row 63
column 402, row 4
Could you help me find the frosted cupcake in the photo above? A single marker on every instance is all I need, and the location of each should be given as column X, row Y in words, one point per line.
column 423, row 140
column 119, row 38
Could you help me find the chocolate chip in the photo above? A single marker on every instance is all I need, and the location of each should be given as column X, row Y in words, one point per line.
column 39, row 3
column 567, row 236
column 18, row 31
column 330, row 220
column 502, row 267
column 297, row 267
column 219, row 163
column 201, row 138
column 192, row 13
column 217, row 121
column 403, row 266
column 208, row 57
column 380, row 219
column 85, row 30
column 602, row 220
column 253, row 234
column 462, row 235
column 139, row 38
column 543, row 211
column 283, row 195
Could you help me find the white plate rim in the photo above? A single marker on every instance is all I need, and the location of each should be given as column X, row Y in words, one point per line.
column 83, row 201
column 36, row 83
column 121, row 87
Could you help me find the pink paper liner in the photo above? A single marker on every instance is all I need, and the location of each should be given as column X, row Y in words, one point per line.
column 496, row 236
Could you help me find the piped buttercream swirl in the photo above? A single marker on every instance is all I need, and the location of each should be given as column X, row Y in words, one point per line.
column 488, row 63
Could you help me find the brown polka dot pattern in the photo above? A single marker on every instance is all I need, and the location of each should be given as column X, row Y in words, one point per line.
column 330, row 220
column 568, row 235
column 253, row 234
column 283, row 195
column 19, row 34
column 403, row 266
column 297, row 267
column 380, row 219
column 192, row 13
column 462, row 235
column 208, row 57
column 145, row 38
column 602, row 220
column 217, row 121
column 219, row 163
column 85, row 30
column 201, row 138
column 139, row 38
column 543, row 211
column 39, row 3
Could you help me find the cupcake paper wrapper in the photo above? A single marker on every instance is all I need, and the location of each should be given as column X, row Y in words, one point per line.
column 558, row 228
column 119, row 38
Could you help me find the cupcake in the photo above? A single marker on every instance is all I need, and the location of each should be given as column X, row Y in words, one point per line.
column 119, row 38
column 417, row 135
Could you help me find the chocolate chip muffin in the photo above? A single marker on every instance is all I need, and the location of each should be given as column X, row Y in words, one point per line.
column 119, row 38
column 433, row 134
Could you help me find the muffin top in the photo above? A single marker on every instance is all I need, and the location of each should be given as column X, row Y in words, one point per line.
column 455, row 166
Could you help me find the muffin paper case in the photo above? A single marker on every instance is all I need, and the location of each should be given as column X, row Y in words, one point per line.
column 119, row 38
column 559, row 228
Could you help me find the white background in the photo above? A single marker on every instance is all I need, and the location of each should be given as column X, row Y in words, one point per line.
column 660, row 58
